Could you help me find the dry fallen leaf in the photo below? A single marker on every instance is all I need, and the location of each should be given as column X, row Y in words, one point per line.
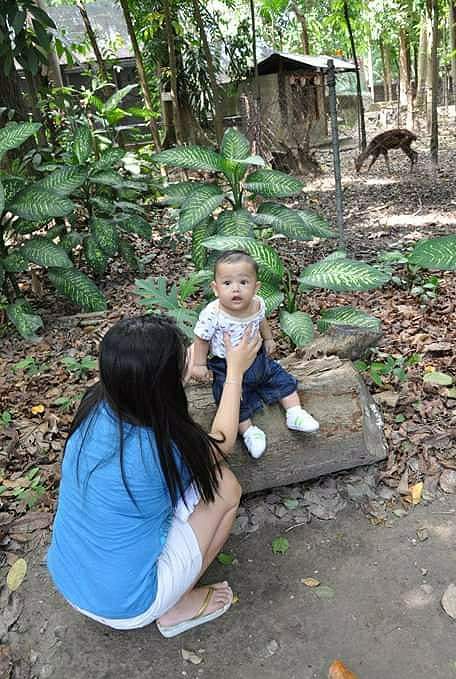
column 191, row 656
column 36, row 410
column 310, row 582
column 448, row 601
column 16, row 574
column 340, row 671
column 415, row 493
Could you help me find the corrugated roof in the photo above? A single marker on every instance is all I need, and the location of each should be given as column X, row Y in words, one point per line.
column 270, row 63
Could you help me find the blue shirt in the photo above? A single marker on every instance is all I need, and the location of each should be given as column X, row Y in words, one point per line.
column 104, row 550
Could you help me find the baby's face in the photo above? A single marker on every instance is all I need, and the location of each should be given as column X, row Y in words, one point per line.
column 235, row 285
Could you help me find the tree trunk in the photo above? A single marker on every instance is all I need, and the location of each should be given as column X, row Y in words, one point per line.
column 11, row 96
column 406, row 92
column 370, row 67
column 434, row 12
column 351, row 428
column 218, row 107
column 386, row 65
column 452, row 34
column 141, row 72
column 172, row 63
column 53, row 68
column 257, row 128
column 422, row 52
column 362, row 124
column 93, row 39
column 301, row 17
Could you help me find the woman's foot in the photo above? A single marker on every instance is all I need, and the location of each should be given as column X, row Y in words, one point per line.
column 190, row 605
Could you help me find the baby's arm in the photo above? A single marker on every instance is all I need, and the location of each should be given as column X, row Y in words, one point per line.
column 199, row 367
column 266, row 334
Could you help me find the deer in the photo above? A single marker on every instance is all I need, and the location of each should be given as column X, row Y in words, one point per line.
column 398, row 138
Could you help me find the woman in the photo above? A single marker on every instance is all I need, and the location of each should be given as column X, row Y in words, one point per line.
column 145, row 503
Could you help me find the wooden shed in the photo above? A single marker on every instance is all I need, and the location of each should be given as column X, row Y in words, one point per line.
column 289, row 111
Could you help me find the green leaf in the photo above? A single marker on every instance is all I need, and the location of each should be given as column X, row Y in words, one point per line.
column 82, row 144
column 185, row 319
column 12, row 186
column 154, row 295
column 108, row 178
column 14, row 262
column 14, row 134
column 188, row 286
column 103, row 204
column 291, row 503
column 347, row 315
column 78, row 288
column 199, row 205
column 109, row 159
column 38, row 204
column 115, row 99
column 23, row 227
column 70, row 240
column 298, row 326
column 135, row 224
column 235, row 223
column 273, row 184
column 2, row 275
column 343, row 275
column 127, row 252
column 272, row 297
column 324, row 592
column 225, row 559
column 337, row 254
column 25, row 322
column 435, row 253
column 175, row 194
column 283, row 220
column 105, row 234
column 63, row 181
column 96, row 258
column 190, row 157
column 280, row 545
column 44, row 252
column 271, row 267
column 316, row 224
column 235, row 146
column 438, row 378
column 199, row 234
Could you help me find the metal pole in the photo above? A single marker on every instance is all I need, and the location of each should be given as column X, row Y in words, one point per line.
column 331, row 80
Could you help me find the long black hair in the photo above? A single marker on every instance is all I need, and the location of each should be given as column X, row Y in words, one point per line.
column 142, row 362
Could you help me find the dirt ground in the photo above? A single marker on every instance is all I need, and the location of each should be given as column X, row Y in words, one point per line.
column 382, row 615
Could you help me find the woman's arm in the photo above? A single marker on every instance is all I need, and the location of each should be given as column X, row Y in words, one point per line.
column 238, row 359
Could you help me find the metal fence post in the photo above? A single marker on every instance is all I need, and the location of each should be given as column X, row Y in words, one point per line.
column 331, row 81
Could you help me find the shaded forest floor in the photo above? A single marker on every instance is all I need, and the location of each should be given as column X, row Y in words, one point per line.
column 40, row 384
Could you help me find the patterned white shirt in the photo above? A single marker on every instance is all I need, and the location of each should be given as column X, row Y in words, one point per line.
column 213, row 323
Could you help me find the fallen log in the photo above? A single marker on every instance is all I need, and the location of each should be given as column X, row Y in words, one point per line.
column 351, row 427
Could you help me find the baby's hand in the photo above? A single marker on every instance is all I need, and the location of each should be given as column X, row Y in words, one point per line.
column 270, row 346
column 201, row 373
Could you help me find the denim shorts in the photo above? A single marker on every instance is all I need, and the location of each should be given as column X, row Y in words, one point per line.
column 264, row 382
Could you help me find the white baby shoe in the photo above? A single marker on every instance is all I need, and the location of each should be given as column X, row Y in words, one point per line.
column 299, row 419
column 255, row 441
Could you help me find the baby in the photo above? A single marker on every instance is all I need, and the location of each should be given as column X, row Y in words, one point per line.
column 237, row 307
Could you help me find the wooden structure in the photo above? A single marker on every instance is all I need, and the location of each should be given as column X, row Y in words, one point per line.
column 290, row 107
column 351, row 428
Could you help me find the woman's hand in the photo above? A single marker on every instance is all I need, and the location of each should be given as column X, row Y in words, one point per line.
column 241, row 357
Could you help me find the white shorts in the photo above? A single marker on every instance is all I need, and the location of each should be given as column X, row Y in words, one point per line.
column 178, row 568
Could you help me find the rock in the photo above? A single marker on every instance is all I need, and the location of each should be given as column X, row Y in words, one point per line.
column 448, row 601
column 387, row 398
column 280, row 511
column 240, row 525
column 439, row 348
column 447, row 481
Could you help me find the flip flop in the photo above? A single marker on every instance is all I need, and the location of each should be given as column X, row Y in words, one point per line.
column 198, row 619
